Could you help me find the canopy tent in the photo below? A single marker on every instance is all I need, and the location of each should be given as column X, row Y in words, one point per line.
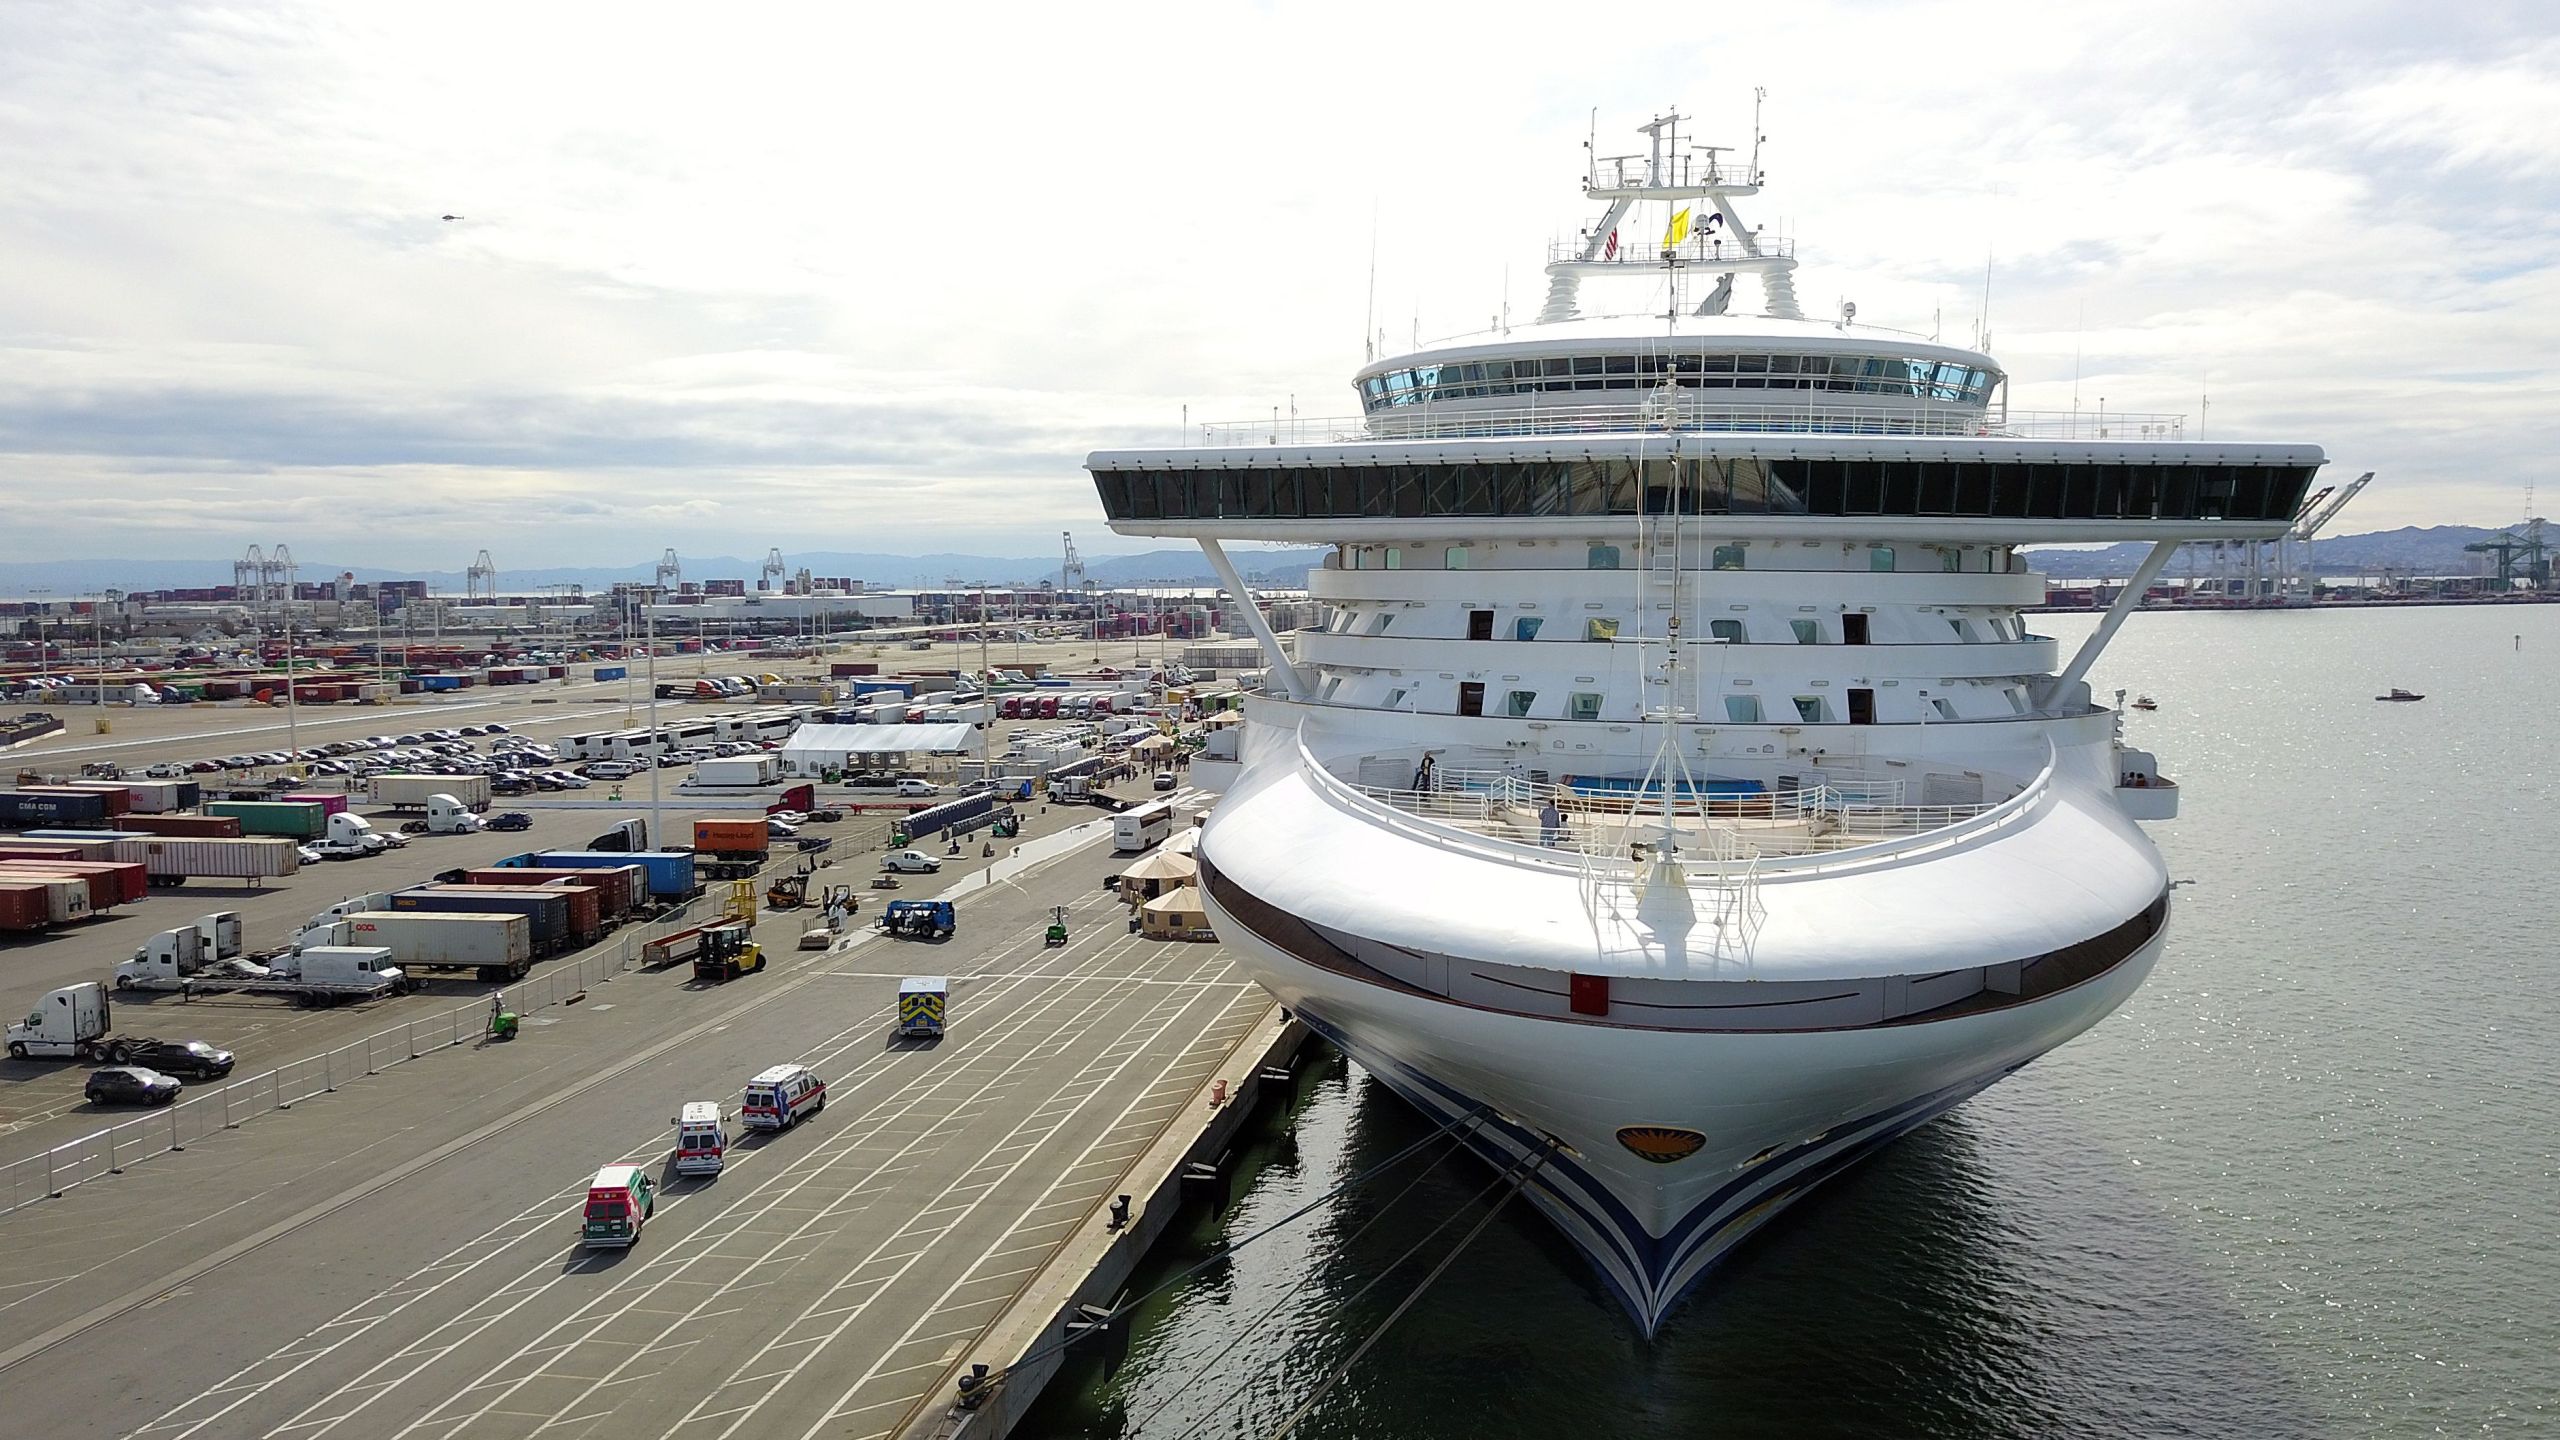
column 1153, row 742
column 1175, row 915
column 815, row 749
column 1155, row 874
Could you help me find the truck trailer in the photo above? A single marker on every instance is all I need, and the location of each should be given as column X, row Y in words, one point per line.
column 297, row 820
column 412, row 792
column 431, row 942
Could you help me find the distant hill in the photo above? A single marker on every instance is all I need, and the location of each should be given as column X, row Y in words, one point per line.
column 1172, row 567
column 2429, row 550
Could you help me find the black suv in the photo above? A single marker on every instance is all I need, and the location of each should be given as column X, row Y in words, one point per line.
column 130, row 1085
column 192, row 1059
column 511, row 820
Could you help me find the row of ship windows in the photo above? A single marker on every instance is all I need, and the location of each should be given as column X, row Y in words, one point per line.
column 1880, row 558
column 1908, row 378
column 1746, row 486
column 1471, row 699
column 1853, row 628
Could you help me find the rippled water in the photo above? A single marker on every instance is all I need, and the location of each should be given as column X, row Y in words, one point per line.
column 2307, row 1183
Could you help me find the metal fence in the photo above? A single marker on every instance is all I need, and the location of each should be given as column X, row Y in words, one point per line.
column 207, row 1111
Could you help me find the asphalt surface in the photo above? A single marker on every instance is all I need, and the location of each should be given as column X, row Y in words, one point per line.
column 400, row 1258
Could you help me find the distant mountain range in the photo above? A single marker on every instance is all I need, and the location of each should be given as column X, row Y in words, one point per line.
column 2433, row 550
column 2429, row 550
column 1171, row 567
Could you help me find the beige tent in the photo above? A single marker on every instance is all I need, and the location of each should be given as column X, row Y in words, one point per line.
column 1152, row 743
column 1157, row 873
column 1176, row 915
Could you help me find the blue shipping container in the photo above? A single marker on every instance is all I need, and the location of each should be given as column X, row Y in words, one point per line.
column 549, row 919
column 613, row 672
column 21, row 809
column 890, row 687
column 670, row 871
column 439, row 682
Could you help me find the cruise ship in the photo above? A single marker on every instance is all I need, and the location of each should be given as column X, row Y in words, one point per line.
column 1675, row 799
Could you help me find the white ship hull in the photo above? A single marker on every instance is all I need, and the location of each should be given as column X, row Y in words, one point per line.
column 1807, row 1105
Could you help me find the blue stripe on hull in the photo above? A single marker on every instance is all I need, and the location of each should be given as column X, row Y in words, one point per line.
column 1650, row 1274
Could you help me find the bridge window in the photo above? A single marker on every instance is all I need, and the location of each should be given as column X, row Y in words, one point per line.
column 1396, row 696
column 1516, row 704
column 1728, row 557
column 1808, row 632
column 1599, row 629
column 1728, row 631
column 1526, row 627
column 1583, row 705
column 1601, row 557
column 1880, row 558
column 1742, row 709
column 1809, row 709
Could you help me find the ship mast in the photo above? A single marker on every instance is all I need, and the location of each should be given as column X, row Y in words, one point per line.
column 1673, row 170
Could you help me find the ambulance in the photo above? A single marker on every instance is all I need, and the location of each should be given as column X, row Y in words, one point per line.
column 702, row 1138
column 619, row 1201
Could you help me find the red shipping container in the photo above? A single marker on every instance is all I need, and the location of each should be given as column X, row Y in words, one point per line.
column 110, row 882
column 329, row 804
column 55, row 849
column 118, row 798
column 23, row 906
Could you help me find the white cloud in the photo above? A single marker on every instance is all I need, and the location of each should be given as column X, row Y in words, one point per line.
column 844, row 276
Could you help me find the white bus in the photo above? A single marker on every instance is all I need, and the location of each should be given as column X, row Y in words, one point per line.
column 1137, row 829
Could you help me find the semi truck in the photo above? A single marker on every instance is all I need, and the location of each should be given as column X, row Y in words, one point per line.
column 432, row 942
column 74, row 1022
column 178, row 960
column 412, row 792
column 731, row 848
column 446, row 815
column 626, row 835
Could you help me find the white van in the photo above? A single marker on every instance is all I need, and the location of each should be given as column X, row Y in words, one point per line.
column 612, row 769
column 702, row 1138
column 782, row 1097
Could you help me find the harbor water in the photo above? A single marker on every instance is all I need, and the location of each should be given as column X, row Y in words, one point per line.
column 2307, row 1183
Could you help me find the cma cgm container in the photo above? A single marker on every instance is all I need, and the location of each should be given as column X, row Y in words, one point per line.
column 619, row 889
column 546, row 911
column 122, row 882
column 293, row 819
column 670, row 872
column 24, row 807
column 203, row 827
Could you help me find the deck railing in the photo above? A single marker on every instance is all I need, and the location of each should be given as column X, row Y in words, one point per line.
column 1707, row 411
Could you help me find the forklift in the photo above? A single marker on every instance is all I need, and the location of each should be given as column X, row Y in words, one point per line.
column 787, row 892
column 726, row 954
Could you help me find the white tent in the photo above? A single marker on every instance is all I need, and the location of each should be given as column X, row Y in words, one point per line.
column 814, row 748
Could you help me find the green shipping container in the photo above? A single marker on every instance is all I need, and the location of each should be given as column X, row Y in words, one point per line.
column 293, row 819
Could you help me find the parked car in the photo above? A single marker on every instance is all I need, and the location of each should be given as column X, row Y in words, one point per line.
column 192, row 1059
column 165, row 770
column 511, row 820
column 130, row 1085
column 1164, row 780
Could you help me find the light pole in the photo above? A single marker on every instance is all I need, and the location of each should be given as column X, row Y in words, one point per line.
column 292, row 744
column 649, row 621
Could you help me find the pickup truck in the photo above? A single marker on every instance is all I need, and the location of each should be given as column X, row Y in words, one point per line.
column 909, row 862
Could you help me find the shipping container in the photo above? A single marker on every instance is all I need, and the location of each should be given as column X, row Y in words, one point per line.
column 117, row 793
column 613, row 672
column 586, row 917
column 731, row 838
column 489, row 946
column 100, row 890
column 670, row 872
column 737, row 771
column 619, row 889
column 174, row 859
column 410, row 792
column 126, row 882
column 51, row 899
column 293, row 819
column 546, row 911
column 329, row 804
column 15, row 848
column 124, row 845
column 24, row 905
column 202, row 826
column 163, row 797
column 18, row 807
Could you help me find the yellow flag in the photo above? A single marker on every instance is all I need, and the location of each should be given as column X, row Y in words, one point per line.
column 1679, row 230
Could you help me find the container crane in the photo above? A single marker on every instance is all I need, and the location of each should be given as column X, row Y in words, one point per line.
column 2293, row 548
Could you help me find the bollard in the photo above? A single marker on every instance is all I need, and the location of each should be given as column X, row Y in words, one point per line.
column 49, row 1190
column 175, row 1148
column 329, row 1071
column 1217, row 1094
column 226, row 1109
column 413, row 1039
column 112, row 1167
column 1119, row 1214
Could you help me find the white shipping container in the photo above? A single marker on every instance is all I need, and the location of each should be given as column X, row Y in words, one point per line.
column 155, row 797
column 410, row 792
column 250, row 857
column 446, row 939
column 738, row 770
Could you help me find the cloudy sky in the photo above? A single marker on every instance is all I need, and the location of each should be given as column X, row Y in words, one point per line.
column 877, row 277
